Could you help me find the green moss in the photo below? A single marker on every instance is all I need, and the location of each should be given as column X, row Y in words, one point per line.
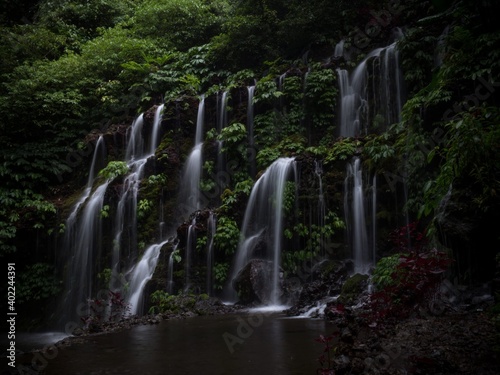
column 352, row 288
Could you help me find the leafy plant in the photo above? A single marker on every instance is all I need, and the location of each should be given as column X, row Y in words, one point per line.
column 227, row 235
column 220, row 274
column 326, row 359
column 105, row 211
column 101, row 310
column 163, row 302
column 143, row 207
column 413, row 283
column 157, row 179
column 37, row 283
column 384, row 269
column 342, row 150
column 114, row 169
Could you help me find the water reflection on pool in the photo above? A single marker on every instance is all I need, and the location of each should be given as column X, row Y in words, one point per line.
column 250, row 343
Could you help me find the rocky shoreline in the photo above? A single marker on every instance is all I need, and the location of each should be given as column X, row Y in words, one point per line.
column 459, row 338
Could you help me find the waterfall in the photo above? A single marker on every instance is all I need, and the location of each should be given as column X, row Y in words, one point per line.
column 371, row 97
column 318, row 170
column 263, row 221
column 141, row 274
column 211, row 227
column 126, row 214
column 221, row 157
column 354, row 206
column 190, row 249
column 74, row 236
column 339, row 49
column 98, row 160
column 135, row 141
column 250, row 126
column 374, row 218
column 156, row 130
column 170, row 272
column 190, row 194
column 84, row 245
column 126, row 211
column 281, row 85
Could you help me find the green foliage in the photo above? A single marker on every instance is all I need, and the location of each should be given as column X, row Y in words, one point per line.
column 288, row 146
column 383, row 271
column 162, row 302
column 342, row 150
column 105, row 276
column 20, row 204
column 289, row 198
column 417, row 50
column 157, row 179
column 267, row 156
column 232, row 136
column 320, row 96
column 114, row 169
column 180, row 24
column 226, row 236
column 311, row 238
column 36, row 283
column 379, row 150
column 105, row 211
column 201, row 243
column 79, row 21
column 220, row 275
column 143, row 207
column 469, row 154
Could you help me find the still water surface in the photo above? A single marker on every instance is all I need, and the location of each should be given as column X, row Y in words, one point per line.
column 253, row 343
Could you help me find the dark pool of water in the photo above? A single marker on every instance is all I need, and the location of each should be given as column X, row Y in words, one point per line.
column 249, row 343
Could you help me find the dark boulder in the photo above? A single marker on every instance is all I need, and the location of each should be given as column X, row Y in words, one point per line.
column 254, row 283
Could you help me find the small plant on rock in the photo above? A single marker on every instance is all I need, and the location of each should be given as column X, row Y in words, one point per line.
column 326, row 359
column 415, row 280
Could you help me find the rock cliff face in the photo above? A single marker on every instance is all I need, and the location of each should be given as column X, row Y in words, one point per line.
column 471, row 232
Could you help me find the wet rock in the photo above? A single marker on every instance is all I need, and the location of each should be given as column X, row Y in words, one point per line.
column 353, row 289
column 254, row 282
column 324, row 282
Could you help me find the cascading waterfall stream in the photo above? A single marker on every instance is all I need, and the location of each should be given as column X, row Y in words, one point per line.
column 75, row 236
column 156, row 130
column 221, row 124
column 190, row 195
column 339, row 49
column 190, row 249
column 250, row 126
column 318, row 170
column 263, row 221
column 141, row 274
column 372, row 95
column 85, row 248
column 84, row 237
column 136, row 157
column 211, row 228
column 170, row 273
column 356, row 213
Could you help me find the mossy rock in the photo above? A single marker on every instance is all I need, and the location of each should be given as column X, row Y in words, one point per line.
column 353, row 288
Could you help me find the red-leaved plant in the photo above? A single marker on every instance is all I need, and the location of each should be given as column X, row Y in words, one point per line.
column 408, row 238
column 326, row 359
column 416, row 279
